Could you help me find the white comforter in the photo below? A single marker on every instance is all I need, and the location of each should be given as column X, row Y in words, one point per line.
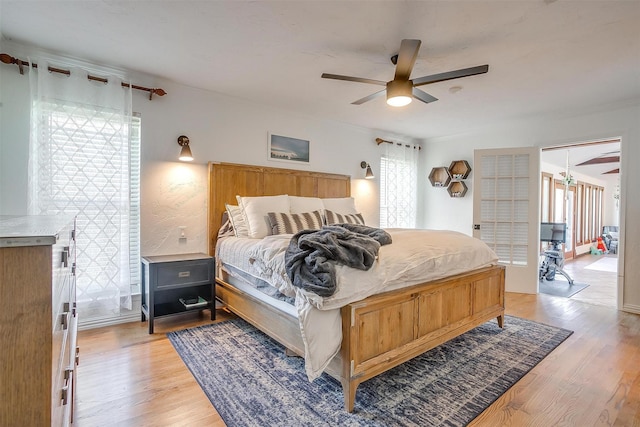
column 415, row 256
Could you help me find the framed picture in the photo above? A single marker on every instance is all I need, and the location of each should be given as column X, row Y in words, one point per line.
column 285, row 148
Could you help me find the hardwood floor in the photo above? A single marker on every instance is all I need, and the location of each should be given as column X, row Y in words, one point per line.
column 127, row 377
column 603, row 285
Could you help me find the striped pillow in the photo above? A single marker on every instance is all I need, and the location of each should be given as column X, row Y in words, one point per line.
column 226, row 229
column 288, row 223
column 336, row 218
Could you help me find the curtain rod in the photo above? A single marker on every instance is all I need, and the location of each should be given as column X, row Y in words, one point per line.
column 8, row 59
column 380, row 141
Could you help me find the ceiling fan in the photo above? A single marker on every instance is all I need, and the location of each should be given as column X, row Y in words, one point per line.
column 401, row 89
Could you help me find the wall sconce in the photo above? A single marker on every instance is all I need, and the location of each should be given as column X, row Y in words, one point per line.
column 185, row 152
column 369, row 173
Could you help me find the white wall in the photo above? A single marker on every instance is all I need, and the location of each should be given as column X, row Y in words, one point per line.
column 441, row 211
column 220, row 128
column 224, row 129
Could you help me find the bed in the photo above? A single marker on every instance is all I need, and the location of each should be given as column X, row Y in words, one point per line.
column 378, row 332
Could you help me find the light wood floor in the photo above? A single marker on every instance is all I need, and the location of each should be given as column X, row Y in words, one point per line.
column 603, row 285
column 129, row 378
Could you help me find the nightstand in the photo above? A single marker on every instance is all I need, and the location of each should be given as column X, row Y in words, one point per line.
column 176, row 284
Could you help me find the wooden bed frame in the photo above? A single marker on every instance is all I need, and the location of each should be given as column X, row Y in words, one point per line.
column 379, row 332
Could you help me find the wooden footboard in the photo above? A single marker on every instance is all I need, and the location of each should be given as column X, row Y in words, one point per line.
column 385, row 330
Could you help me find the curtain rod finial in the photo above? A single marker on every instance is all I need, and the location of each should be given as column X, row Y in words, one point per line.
column 7, row 59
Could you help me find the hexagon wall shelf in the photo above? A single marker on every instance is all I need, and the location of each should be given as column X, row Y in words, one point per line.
column 439, row 177
column 457, row 189
column 459, row 169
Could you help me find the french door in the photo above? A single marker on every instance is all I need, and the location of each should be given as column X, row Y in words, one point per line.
column 506, row 211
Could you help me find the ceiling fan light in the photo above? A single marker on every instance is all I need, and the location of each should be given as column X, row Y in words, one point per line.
column 399, row 101
column 399, row 92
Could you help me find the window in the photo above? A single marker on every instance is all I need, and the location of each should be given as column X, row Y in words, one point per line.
column 82, row 170
column 587, row 207
column 398, row 182
column 134, row 201
column 588, row 214
column 579, row 210
column 547, row 202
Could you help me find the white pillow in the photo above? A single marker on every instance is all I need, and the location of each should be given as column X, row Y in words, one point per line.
column 342, row 205
column 237, row 221
column 299, row 204
column 255, row 210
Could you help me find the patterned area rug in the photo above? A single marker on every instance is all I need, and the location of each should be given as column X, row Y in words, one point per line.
column 251, row 382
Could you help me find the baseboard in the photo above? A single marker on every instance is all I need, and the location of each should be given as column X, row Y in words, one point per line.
column 125, row 316
column 631, row 308
column 100, row 323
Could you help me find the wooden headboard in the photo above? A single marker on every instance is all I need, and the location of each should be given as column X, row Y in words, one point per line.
column 226, row 180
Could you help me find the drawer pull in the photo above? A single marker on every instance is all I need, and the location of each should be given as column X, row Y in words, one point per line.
column 184, row 274
column 77, row 355
column 65, row 395
column 65, row 256
column 65, row 320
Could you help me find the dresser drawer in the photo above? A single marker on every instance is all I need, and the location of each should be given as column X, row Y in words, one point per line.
column 184, row 273
column 62, row 383
column 63, row 259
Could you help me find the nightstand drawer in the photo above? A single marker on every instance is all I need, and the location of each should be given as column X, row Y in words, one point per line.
column 178, row 274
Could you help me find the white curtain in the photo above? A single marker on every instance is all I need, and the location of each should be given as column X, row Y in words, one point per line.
column 79, row 164
column 398, row 185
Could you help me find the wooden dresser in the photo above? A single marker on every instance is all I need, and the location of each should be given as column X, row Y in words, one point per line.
column 38, row 320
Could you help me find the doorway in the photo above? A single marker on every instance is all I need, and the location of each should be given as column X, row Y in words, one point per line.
column 580, row 187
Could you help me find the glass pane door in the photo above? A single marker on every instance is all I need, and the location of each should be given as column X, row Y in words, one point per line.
column 506, row 211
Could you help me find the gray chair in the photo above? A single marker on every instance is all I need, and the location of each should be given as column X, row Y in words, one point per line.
column 610, row 235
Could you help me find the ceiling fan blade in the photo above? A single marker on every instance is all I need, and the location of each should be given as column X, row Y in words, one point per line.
column 370, row 97
column 353, row 79
column 465, row 72
column 406, row 58
column 423, row 96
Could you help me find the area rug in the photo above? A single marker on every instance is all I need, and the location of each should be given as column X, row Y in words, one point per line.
column 251, row 382
column 608, row 264
column 560, row 287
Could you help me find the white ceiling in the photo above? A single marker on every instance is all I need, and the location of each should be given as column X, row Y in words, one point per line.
column 578, row 154
column 546, row 58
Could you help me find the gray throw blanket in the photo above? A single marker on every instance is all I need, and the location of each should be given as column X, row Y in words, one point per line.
column 312, row 255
